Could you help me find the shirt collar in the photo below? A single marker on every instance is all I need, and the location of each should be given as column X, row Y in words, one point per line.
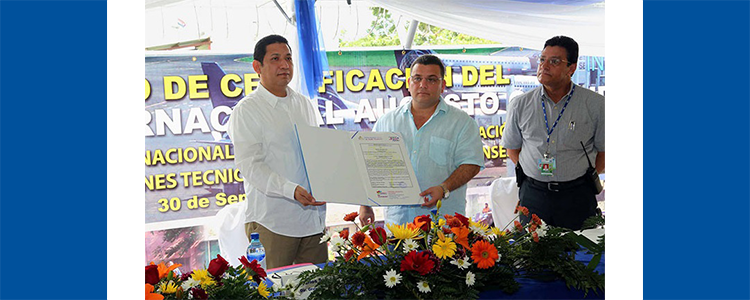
column 271, row 98
column 545, row 96
column 442, row 106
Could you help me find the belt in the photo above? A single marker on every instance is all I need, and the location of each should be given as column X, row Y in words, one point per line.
column 556, row 186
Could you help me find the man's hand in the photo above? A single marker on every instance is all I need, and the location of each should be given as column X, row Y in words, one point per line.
column 366, row 215
column 302, row 196
column 436, row 193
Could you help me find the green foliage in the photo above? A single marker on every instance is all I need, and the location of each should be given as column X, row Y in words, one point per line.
column 534, row 250
column 383, row 32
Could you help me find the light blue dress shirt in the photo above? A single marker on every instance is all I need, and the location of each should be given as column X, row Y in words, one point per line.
column 450, row 138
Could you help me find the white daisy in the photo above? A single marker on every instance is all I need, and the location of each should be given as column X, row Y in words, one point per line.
column 461, row 263
column 470, row 278
column 326, row 236
column 189, row 283
column 478, row 230
column 499, row 256
column 423, row 287
column 409, row 245
column 391, row 278
column 542, row 229
column 337, row 242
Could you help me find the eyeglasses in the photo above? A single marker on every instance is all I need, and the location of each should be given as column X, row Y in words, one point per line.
column 430, row 80
column 552, row 61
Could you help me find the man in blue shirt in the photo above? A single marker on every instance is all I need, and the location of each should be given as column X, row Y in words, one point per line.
column 443, row 142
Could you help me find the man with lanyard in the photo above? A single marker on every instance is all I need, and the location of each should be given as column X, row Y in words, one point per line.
column 443, row 142
column 544, row 132
column 290, row 221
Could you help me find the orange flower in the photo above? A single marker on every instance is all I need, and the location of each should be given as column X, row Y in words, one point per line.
column 348, row 254
column 358, row 238
column 351, row 216
column 452, row 222
column 423, row 222
column 344, row 234
column 536, row 220
column 367, row 248
column 484, row 254
column 164, row 270
column 536, row 237
column 150, row 295
column 462, row 236
column 532, row 227
column 524, row 210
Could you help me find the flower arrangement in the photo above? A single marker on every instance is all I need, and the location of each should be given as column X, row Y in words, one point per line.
column 451, row 257
column 219, row 281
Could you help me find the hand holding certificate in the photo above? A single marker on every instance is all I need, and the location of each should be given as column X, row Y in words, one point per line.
column 364, row 168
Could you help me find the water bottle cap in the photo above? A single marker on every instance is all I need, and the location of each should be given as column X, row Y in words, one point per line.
column 254, row 236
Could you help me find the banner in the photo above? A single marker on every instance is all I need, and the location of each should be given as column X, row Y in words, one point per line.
column 189, row 159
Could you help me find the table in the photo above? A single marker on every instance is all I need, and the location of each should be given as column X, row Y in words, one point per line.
column 535, row 289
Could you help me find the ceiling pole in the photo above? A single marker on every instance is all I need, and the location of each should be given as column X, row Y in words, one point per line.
column 410, row 36
column 284, row 13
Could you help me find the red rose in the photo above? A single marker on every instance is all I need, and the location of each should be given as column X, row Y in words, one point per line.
column 344, row 234
column 358, row 238
column 464, row 220
column 417, row 261
column 424, row 222
column 351, row 216
column 378, row 235
column 452, row 222
column 218, row 266
column 152, row 274
column 199, row 293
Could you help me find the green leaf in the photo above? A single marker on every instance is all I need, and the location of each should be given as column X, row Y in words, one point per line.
column 594, row 262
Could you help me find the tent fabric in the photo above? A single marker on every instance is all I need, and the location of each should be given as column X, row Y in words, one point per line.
column 230, row 222
column 504, row 198
column 525, row 24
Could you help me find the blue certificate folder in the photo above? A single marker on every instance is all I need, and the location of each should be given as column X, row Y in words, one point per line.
column 362, row 167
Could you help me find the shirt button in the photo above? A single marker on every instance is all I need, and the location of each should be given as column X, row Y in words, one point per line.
column 415, row 152
column 553, row 142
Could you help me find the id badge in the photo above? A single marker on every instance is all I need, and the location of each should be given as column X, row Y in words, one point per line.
column 546, row 166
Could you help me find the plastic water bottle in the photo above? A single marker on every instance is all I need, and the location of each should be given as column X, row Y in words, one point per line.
column 256, row 250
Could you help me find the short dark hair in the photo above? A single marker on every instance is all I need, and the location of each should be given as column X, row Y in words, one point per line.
column 429, row 59
column 262, row 44
column 569, row 44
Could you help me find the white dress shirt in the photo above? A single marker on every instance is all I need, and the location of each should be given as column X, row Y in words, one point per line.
column 269, row 157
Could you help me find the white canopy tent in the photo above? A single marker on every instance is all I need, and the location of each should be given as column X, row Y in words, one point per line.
column 512, row 22
column 234, row 25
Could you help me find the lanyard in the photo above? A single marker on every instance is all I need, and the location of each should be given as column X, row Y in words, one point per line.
column 544, row 109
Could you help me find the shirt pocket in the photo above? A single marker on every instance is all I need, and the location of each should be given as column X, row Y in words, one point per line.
column 440, row 150
column 573, row 135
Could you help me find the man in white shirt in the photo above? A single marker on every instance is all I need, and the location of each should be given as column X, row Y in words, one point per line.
column 267, row 152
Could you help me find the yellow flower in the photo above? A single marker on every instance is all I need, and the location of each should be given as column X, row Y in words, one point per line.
column 441, row 223
column 403, row 232
column 203, row 277
column 262, row 290
column 168, row 288
column 497, row 231
column 444, row 248
column 479, row 228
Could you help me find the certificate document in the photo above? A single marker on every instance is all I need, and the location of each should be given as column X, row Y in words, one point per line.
column 364, row 168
